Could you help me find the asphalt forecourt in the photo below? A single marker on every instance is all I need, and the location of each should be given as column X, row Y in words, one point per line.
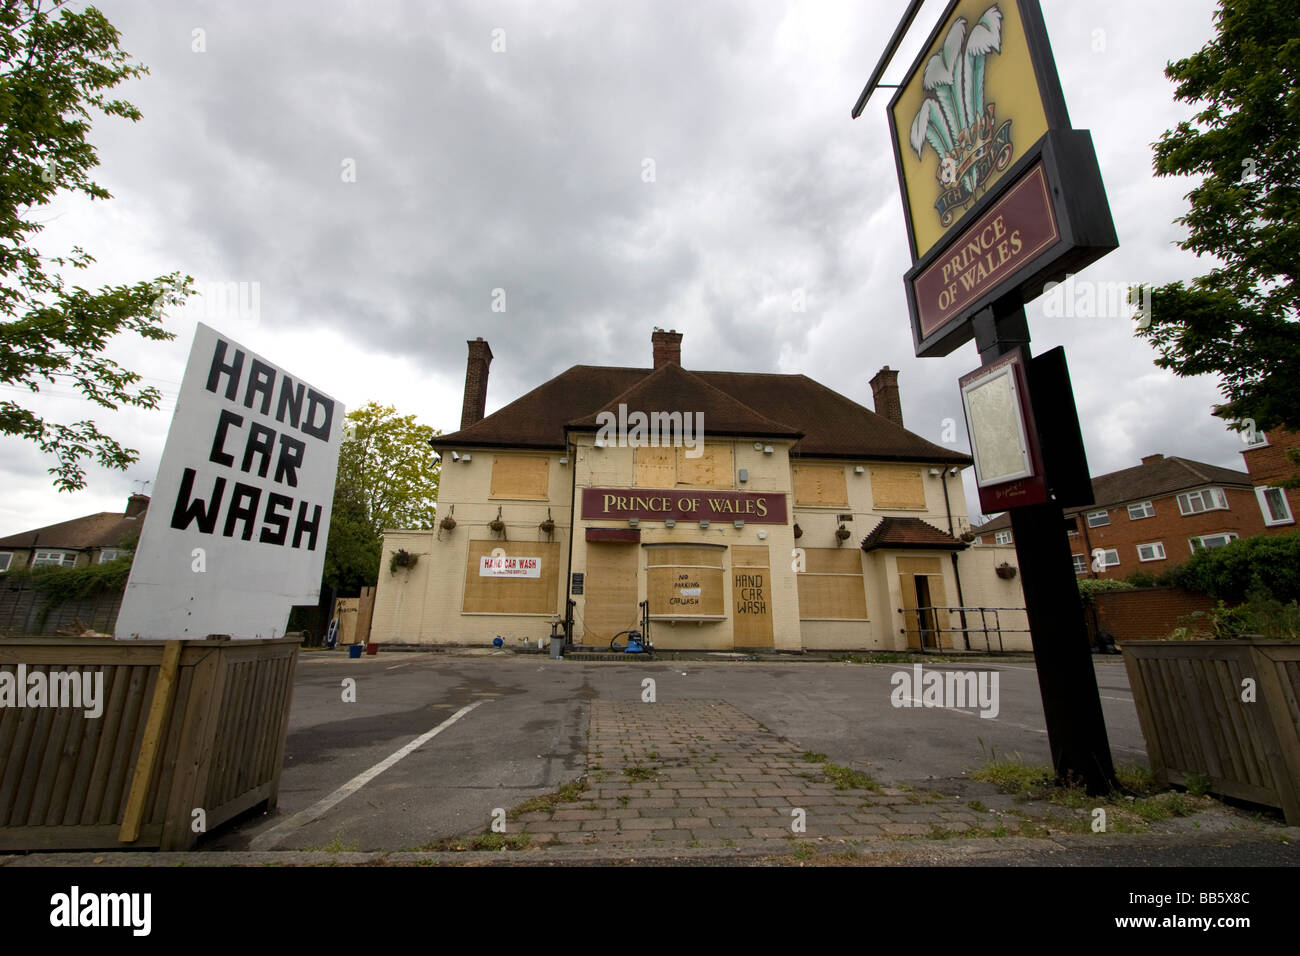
column 434, row 756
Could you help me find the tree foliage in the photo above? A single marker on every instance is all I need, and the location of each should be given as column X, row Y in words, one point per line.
column 55, row 73
column 387, row 478
column 1240, row 319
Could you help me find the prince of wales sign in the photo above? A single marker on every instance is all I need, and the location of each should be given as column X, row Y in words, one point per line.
column 236, row 532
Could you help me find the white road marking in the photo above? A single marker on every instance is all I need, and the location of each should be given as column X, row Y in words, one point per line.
column 269, row 839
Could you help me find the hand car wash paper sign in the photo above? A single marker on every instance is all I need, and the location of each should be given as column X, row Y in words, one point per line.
column 235, row 534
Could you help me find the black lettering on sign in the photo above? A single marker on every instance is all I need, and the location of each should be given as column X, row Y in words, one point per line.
column 290, row 401
column 303, row 524
column 243, row 507
column 291, row 452
column 219, row 455
column 316, row 401
column 198, row 511
column 261, row 440
column 231, row 371
column 273, row 518
column 261, row 380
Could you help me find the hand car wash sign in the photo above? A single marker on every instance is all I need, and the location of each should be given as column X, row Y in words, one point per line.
column 235, row 534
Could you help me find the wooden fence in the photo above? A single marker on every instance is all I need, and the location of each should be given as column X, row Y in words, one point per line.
column 186, row 726
column 1189, row 697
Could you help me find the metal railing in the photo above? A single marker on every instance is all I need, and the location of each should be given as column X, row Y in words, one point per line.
column 966, row 616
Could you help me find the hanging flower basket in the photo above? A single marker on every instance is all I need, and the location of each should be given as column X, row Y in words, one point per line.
column 968, row 536
column 1005, row 571
column 402, row 559
column 497, row 525
column 842, row 533
column 547, row 526
column 448, row 523
column 798, row 531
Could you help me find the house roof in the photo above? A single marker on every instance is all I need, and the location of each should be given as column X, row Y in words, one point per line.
column 831, row 425
column 1156, row 477
column 103, row 530
column 910, row 533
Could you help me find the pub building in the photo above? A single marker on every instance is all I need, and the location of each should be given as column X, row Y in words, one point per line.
column 749, row 510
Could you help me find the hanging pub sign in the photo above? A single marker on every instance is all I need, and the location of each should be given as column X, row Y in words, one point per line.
column 1000, row 195
column 235, row 534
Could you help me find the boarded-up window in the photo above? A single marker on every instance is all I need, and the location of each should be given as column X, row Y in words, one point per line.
column 655, row 467
column 820, row 485
column 712, row 469
column 685, row 580
column 751, row 593
column 511, row 590
column 520, row 476
column 831, row 588
column 897, row 487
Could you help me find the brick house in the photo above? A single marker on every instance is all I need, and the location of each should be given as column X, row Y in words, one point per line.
column 92, row 539
column 538, row 506
column 1152, row 516
column 1268, row 466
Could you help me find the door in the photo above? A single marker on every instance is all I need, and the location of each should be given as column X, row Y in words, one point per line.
column 751, row 596
column 924, row 614
column 611, row 596
column 914, row 574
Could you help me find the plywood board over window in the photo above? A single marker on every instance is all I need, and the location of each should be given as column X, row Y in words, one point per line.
column 685, row 581
column 712, row 469
column 832, row 587
column 751, row 592
column 655, row 467
column 487, row 594
column 520, row 476
column 820, row 485
column 897, row 487
column 611, row 598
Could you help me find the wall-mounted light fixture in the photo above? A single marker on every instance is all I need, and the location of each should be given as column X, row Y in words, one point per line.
column 704, row 525
column 936, row 472
column 954, row 471
column 564, row 459
column 758, row 446
column 762, row 536
column 467, row 457
column 858, row 469
column 455, row 456
column 768, row 449
column 739, row 523
column 634, row 522
column 670, row 522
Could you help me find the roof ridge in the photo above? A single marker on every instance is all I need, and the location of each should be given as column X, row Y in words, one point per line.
column 1188, row 465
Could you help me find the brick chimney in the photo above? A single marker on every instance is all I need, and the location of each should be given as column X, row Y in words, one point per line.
column 476, row 376
column 667, row 347
column 885, row 388
column 136, row 505
column 1152, row 458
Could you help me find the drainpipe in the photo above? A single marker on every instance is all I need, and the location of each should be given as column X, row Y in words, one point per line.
column 571, row 451
column 956, row 571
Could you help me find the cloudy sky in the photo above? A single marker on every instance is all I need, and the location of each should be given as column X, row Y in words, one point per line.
column 372, row 172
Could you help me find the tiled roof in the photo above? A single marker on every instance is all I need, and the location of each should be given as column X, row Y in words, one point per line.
column 1151, row 479
column 909, row 533
column 832, row 425
column 103, row 530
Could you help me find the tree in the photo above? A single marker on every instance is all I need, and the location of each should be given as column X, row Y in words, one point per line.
column 55, row 72
column 387, row 478
column 1240, row 319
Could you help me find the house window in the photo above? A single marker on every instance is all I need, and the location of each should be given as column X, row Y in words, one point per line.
column 1097, row 519
column 1072, row 525
column 1143, row 509
column 1211, row 540
column 1155, row 551
column 1109, row 558
column 112, row 554
column 54, row 559
column 1277, row 510
column 1002, row 537
column 1080, row 563
column 1207, row 499
column 6, row 558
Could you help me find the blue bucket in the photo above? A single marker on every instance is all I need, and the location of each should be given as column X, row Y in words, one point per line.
column 355, row 651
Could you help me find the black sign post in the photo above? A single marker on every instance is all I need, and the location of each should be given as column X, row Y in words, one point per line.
column 1002, row 196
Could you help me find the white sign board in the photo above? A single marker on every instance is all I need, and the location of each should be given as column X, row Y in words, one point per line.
column 235, row 534
column 497, row 566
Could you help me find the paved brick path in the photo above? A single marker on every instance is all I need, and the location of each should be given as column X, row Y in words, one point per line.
column 701, row 773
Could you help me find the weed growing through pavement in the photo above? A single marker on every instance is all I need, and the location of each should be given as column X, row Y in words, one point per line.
column 567, row 793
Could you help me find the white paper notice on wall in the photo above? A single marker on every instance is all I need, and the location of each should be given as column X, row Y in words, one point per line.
column 497, row 566
column 235, row 534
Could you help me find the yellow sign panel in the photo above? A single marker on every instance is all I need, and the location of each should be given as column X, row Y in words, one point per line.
column 971, row 109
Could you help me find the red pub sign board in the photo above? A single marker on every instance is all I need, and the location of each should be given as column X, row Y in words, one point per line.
column 681, row 505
